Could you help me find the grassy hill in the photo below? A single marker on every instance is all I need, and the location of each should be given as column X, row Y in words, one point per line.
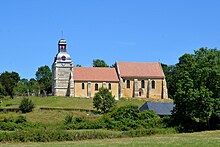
column 69, row 102
column 56, row 116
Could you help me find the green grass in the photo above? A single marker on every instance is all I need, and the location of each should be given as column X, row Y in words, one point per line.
column 52, row 101
column 69, row 102
column 199, row 139
column 57, row 116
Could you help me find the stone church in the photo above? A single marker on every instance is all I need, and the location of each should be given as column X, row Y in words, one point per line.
column 127, row 79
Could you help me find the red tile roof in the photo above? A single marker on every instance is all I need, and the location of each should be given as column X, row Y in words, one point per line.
column 140, row 69
column 98, row 74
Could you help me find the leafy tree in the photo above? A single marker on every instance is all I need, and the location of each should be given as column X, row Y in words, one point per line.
column 2, row 91
column 22, row 87
column 78, row 65
column 26, row 105
column 169, row 72
column 44, row 78
column 194, row 107
column 9, row 81
column 34, row 86
column 196, row 87
column 113, row 65
column 103, row 100
column 99, row 63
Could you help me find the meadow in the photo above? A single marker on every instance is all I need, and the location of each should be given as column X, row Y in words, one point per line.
column 43, row 125
column 57, row 116
column 199, row 139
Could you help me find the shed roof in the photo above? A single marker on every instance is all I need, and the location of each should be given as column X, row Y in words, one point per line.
column 158, row 107
column 98, row 74
column 140, row 69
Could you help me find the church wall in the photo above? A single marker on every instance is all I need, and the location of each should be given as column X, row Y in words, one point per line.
column 79, row 92
column 157, row 92
column 145, row 89
column 114, row 90
column 128, row 92
column 154, row 93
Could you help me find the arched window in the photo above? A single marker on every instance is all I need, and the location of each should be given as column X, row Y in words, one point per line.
column 109, row 86
column 96, row 87
column 83, row 86
column 128, row 83
column 142, row 84
column 153, row 84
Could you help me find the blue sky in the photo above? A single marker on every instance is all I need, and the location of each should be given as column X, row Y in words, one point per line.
column 112, row 30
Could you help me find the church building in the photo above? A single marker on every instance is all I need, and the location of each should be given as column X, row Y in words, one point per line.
column 127, row 79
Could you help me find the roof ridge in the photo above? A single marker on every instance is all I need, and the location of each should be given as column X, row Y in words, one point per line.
column 136, row 62
column 96, row 67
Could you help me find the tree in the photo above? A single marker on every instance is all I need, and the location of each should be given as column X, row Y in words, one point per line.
column 103, row 100
column 78, row 65
column 9, row 81
column 26, row 105
column 2, row 91
column 21, row 88
column 113, row 65
column 44, row 78
column 196, row 90
column 34, row 86
column 193, row 107
column 169, row 72
column 99, row 63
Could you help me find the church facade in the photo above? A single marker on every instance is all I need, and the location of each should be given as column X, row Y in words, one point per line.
column 127, row 79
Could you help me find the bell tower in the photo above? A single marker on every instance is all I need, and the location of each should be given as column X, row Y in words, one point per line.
column 62, row 72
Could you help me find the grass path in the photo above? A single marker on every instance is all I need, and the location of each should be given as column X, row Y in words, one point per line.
column 199, row 139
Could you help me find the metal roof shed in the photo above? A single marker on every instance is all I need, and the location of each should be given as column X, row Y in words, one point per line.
column 159, row 108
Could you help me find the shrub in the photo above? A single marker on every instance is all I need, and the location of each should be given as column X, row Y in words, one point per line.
column 26, row 105
column 19, row 123
column 129, row 117
column 68, row 119
column 20, row 119
column 103, row 100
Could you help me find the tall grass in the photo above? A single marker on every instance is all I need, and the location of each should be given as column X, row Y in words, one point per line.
column 48, row 135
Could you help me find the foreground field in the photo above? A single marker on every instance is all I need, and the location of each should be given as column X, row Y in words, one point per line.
column 206, row 139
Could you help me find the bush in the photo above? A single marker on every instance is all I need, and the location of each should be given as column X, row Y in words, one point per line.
column 68, row 119
column 19, row 123
column 103, row 100
column 26, row 105
column 118, row 118
column 130, row 118
column 20, row 119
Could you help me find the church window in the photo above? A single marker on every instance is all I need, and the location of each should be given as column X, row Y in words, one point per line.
column 83, row 86
column 153, row 85
column 109, row 86
column 96, row 87
column 128, row 83
column 142, row 84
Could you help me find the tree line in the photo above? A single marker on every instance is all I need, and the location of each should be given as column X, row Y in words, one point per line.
column 12, row 85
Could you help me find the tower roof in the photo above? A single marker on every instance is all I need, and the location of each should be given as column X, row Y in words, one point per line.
column 62, row 41
column 62, row 55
